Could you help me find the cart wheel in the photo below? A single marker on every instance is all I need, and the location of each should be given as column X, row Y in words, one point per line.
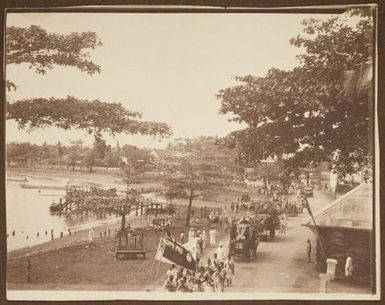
column 251, row 254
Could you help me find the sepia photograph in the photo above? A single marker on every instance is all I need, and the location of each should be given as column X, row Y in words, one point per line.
column 192, row 155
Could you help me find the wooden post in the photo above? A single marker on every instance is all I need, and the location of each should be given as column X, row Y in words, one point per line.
column 135, row 241
column 141, row 208
column 136, row 210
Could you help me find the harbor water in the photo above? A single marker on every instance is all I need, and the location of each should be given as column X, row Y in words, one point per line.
column 28, row 219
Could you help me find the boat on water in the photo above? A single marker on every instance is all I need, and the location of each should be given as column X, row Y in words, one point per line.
column 43, row 187
column 17, row 179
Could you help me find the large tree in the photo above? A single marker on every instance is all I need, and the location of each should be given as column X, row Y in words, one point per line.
column 305, row 115
column 198, row 166
column 42, row 51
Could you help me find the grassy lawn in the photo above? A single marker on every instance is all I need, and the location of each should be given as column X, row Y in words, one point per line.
column 84, row 264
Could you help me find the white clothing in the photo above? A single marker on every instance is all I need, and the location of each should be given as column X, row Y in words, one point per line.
column 220, row 253
column 191, row 235
column 91, row 235
column 212, row 237
column 349, row 266
column 204, row 238
column 172, row 272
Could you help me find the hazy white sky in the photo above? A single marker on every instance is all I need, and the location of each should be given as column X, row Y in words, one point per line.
column 168, row 66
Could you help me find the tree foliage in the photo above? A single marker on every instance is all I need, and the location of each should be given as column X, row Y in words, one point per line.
column 112, row 159
column 137, row 162
column 305, row 115
column 42, row 51
column 200, row 167
column 94, row 116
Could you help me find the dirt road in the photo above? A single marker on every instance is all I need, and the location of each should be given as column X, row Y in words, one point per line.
column 280, row 264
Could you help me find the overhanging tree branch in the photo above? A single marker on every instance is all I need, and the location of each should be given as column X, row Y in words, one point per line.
column 95, row 117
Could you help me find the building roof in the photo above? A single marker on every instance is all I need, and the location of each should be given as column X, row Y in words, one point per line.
column 360, row 78
column 354, row 210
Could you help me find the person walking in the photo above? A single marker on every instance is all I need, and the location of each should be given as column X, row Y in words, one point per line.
column 308, row 249
column 29, row 271
column 182, row 238
column 191, row 235
column 204, row 237
column 169, row 285
column 220, row 252
column 212, row 237
column 172, row 271
column 200, row 243
column 207, row 283
column 91, row 235
column 349, row 266
column 211, row 217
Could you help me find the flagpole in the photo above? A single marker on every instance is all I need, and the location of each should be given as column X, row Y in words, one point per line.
column 153, row 264
column 156, row 273
column 315, row 226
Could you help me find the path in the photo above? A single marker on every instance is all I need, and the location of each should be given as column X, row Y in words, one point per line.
column 281, row 262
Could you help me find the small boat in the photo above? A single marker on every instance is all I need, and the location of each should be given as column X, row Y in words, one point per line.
column 43, row 187
column 17, row 179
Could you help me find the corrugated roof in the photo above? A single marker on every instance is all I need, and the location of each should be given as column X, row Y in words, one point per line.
column 354, row 210
column 359, row 79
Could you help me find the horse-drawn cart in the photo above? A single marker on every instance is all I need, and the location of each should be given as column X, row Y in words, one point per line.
column 244, row 239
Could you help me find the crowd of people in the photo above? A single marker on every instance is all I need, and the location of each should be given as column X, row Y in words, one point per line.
column 217, row 272
column 212, row 276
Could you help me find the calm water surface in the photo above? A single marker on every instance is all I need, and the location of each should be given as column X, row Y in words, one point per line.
column 27, row 213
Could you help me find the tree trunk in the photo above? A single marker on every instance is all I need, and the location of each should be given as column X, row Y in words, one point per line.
column 123, row 222
column 122, row 229
column 189, row 207
column 307, row 178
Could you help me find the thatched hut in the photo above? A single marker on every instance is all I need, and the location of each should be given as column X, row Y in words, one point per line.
column 346, row 225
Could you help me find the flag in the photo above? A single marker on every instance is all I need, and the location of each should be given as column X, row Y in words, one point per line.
column 159, row 253
column 169, row 251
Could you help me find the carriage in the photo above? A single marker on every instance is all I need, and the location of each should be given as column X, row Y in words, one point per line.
column 267, row 219
column 309, row 191
column 292, row 209
column 244, row 239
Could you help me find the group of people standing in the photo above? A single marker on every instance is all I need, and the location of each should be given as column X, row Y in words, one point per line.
column 212, row 276
column 202, row 239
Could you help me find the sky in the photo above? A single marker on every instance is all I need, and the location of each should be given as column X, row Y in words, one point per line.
column 167, row 66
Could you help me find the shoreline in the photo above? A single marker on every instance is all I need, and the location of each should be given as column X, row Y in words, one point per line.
column 102, row 179
column 81, row 234
column 76, row 237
